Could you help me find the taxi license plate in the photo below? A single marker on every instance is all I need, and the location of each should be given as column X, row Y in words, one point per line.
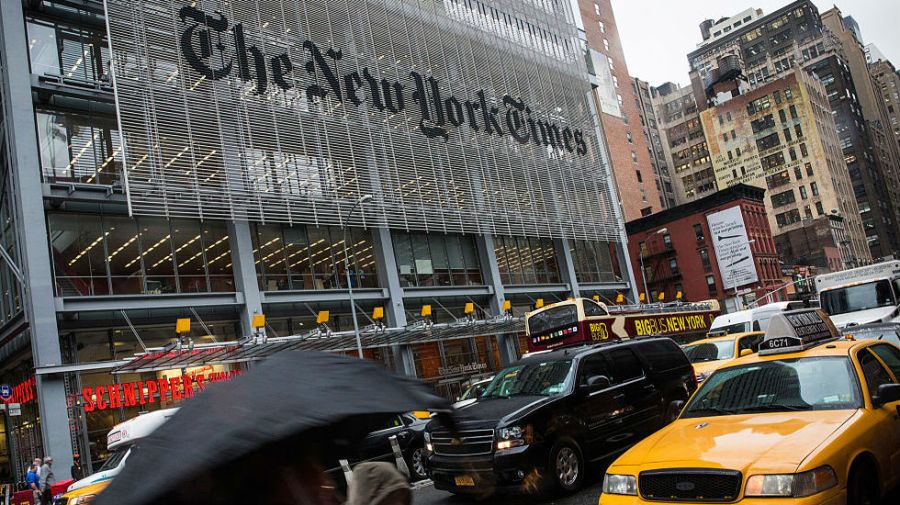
column 464, row 481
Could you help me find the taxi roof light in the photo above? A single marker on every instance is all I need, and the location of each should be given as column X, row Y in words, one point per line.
column 797, row 330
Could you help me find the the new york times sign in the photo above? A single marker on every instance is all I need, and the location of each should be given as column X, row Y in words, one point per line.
column 204, row 49
column 455, row 118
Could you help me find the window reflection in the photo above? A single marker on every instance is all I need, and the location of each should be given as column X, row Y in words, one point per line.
column 308, row 257
column 436, row 260
column 71, row 52
column 100, row 255
column 78, row 148
column 594, row 261
column 523, row 260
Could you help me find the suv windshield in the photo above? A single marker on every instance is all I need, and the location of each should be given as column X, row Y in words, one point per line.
column 115, row 459
column 546, row 378
column 870, row 295
column 778, row 386
column 473, row 391
column 710, row 351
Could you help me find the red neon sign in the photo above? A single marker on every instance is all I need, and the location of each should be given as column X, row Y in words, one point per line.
column 130, row 394
column 23, row 392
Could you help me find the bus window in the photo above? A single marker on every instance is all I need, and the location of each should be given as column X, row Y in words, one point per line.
column 591, row 309
column 553, row 318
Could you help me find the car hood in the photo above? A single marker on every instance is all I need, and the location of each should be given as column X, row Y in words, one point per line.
column 770, row 441
column 502, row 410
column 878, row 315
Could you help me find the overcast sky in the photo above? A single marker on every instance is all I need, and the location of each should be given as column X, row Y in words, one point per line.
column 658, row 34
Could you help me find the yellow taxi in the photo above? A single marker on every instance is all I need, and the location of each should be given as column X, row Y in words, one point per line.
column 84, row 494
column 810, row 419
column 712, row 353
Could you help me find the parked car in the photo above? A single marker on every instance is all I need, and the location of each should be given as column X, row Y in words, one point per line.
column 889, row 332
column 542, row 419
column 409, row 432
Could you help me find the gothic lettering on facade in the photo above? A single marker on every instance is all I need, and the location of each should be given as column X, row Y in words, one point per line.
column 206, row 46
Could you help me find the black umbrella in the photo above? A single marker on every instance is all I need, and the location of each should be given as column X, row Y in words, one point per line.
column 295, row 407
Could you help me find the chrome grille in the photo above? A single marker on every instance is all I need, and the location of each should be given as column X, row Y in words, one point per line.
column 467, row 443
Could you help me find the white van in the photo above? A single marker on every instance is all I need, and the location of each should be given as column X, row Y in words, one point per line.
column 120, row 440
column 869, row 294
column 755, row 319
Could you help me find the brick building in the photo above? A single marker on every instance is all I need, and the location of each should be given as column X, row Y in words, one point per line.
column 679, row 254
column 618, row 111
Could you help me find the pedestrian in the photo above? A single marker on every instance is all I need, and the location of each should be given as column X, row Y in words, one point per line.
column 47, row 481
column 378, row 483
column 77, row 470
column 33, row 479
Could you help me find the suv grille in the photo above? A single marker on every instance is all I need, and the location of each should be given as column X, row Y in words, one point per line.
column 469, row 443
column 691, row 484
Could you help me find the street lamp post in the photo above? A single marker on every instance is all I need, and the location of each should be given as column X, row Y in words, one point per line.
column 363, row 199
column 661, row 231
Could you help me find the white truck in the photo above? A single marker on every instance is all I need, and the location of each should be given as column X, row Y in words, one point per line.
column 868, row 294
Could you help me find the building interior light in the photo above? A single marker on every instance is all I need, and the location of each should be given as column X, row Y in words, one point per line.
column 87, row 249
column 148, row 251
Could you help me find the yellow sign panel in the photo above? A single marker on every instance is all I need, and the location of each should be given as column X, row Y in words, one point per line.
column 378, row 314
column 426, row 310
column 323, row 317
column 470, row 308
column 183, row 325
column 259, row 321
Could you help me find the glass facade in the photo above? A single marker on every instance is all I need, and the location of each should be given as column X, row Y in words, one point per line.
column 78, row 148
column 436, row 260
column 594, row 262
column 524, row 260
column 96, row 255
column 309, row 257
column 65, row 50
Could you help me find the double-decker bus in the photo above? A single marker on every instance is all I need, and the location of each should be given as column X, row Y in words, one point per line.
column 582, row 320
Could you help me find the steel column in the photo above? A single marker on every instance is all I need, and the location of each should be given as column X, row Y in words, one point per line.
column 394, row 310
column 32, row 236
column 490, row 270
column 244, row 272
column 566, row 265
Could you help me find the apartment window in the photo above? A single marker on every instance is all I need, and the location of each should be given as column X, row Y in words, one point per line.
column 637, row 173
column 759, row 105
column 725, row 137
column 596, row 9
column 730, row 157
column 733, row 135
column 782, row 116
column 803, row 192
column 787, row 134
column 809, row 169
column 602, row 27
column 768, row 142
column 792, row 153
column 819, row 209
column 634, row 156
column 737, row 151
column 777, row 95
column 711, row 286
column 523, row 260
column 787, row 218
column 431, row 259
column 793, row 110
column 803, row 150
column 606, row 44
column 799, row 130
column 762, row 123
column 629, row 137
column 798, row 174
column 698, row 232
column 728, row 116
column 667, row 241
column 704, row 258
column 784, row 198
column 673, row 266
column 814, row 188
column 721, row 121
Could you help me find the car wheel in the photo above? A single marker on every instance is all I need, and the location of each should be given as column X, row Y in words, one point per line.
column 862, row 487
column 566, row 465
column 416, row 463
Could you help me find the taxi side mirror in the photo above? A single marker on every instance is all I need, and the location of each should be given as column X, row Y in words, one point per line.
column 746, row 352
column 887, row 393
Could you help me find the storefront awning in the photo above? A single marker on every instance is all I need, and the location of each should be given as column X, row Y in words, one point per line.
column 372, row 337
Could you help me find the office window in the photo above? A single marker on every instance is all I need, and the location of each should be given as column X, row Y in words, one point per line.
column 73, row 52
column 594, row 261
column 101, row 255
column 78, row 148
column 432, row 259
column 523, row 260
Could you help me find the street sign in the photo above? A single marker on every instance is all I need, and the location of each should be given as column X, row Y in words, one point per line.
column 15, row 409
column 6, row 392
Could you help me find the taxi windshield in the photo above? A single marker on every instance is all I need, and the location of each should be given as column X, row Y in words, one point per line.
column 710, row 351
column 546, row 378
column 821, row 383
column 870, row 295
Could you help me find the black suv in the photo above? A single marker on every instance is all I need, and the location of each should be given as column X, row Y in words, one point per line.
column 541, row 419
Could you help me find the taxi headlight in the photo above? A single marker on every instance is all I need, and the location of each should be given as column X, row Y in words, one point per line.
column 88, row 498
column 620, row 484
column 795, row 485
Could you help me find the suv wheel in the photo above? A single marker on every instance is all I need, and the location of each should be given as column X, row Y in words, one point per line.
column 566, row 465
column 416, row 463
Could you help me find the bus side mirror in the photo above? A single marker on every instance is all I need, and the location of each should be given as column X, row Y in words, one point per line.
column 887, row 393
column 746, row 352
